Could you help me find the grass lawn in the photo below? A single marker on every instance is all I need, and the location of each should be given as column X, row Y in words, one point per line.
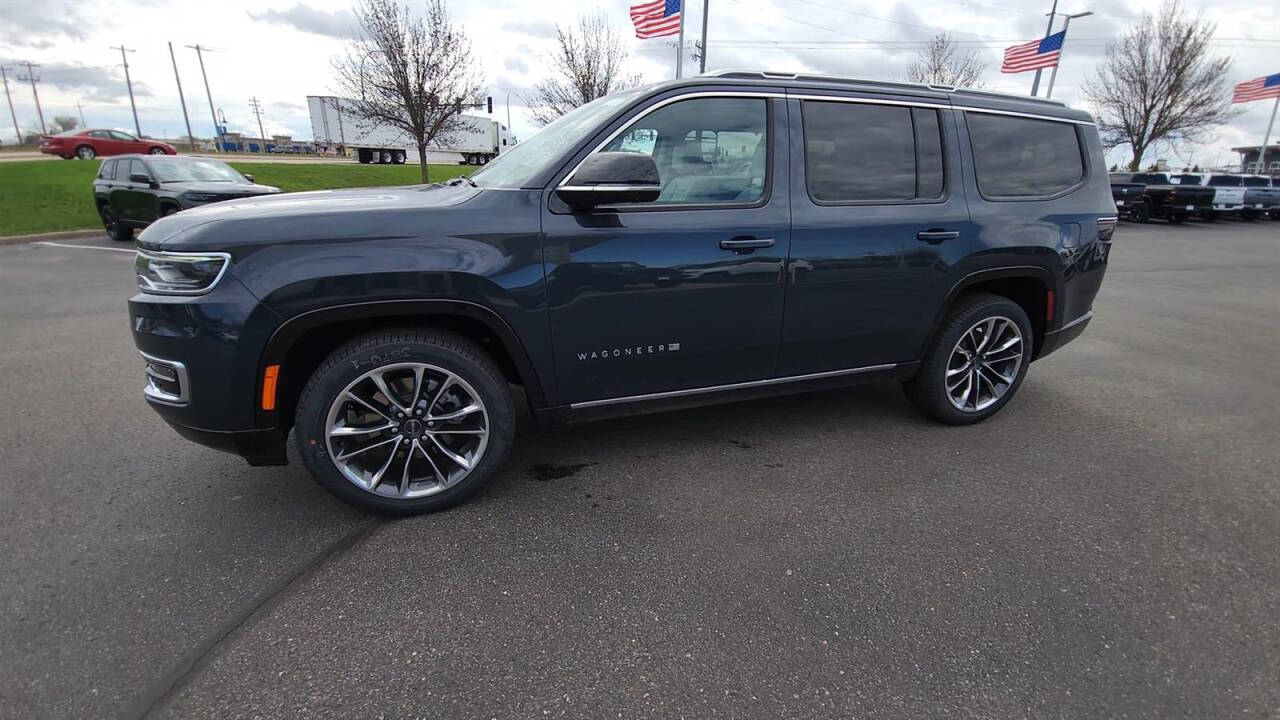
column 44, row 196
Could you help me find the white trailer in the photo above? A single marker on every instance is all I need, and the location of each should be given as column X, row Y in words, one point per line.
column 337, row 131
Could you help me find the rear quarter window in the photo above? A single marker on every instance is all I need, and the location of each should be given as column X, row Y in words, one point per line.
column 108, row 170
column 1016, row 157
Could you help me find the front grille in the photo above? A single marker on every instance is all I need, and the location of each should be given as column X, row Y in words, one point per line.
column 167, row 380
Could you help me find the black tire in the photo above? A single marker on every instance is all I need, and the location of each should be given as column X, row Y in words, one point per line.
column 1140, row 212
column 398, row 157
column 156, row 151
column 927, row 390
column 1176, row 218
column 111, row 224
column 1209, row 216
column 86, row 152
column 167, row 210
column 441, row 349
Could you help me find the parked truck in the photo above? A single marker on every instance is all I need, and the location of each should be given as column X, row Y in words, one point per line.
column 337, row 130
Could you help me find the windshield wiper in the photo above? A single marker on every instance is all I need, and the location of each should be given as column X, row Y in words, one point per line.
column 461, row 179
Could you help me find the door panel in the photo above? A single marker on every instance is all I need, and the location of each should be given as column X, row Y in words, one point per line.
column 860, row 279
column 646, row 299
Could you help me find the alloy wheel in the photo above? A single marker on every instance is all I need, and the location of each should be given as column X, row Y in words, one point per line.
column 984, row 364
column 86, row 153
column 407, row 430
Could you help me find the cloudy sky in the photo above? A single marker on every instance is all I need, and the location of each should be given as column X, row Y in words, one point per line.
column 281, row 52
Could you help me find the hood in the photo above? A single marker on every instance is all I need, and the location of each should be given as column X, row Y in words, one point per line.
column 311, row 216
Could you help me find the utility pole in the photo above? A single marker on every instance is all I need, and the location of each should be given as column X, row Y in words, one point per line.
column 80, row 109
column 1262, row 151
column 1053, row 13
column 1066, row 24
column 702, row 47
column 257, row 110
column 218, row 146
column 16, row 132
column 181, row 98
column 127, row 81
column 32, row 77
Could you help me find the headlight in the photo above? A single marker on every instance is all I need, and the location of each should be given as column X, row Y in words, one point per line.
column 201, row 197
column 166, row 273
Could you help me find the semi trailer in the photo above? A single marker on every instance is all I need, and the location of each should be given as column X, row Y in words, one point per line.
column 338, row 131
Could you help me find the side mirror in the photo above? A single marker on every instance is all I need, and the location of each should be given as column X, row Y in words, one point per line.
column 142, row 179
column 248, row 176
column 611, row 178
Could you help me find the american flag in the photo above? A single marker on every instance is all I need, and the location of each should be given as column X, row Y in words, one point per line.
column 1259, row 89
column 656, row 18
column 1033, row 55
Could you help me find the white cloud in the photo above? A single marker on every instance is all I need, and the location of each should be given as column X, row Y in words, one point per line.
column 281, row 52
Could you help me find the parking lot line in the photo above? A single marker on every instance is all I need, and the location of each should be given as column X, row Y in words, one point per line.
column 83, row 247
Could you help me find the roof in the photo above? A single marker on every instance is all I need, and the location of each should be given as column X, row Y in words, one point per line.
column 962, row 97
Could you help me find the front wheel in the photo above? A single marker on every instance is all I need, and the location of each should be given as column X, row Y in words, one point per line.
column 156, row 151
column 976, row 363
column 405, row 422
column 112, row 225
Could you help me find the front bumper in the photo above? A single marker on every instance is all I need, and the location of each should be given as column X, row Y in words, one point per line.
column 200, row 357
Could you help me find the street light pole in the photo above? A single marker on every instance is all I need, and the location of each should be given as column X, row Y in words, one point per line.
column 1054, row 75
column 1035, row 85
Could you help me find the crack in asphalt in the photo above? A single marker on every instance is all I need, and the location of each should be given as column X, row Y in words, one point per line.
column 203, row 653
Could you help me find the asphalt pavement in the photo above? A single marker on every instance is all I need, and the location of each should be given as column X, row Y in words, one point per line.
column 1106, row 546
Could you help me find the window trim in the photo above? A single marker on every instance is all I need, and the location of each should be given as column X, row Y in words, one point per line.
column 1085, row 166
column 766, row 195
column 940, row 199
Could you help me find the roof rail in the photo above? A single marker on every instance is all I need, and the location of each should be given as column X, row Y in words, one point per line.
column 850, row 80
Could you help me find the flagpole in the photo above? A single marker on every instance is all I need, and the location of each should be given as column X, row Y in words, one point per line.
column 1053, row 13
column 680, row 45
column 1262, row 151
column 1062, row 49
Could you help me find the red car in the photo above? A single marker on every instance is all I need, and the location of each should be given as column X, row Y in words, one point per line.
column 89, row 144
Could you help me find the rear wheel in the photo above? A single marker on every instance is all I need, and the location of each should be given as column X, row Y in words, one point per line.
column 385, row 157
column 86, row 152
column 405, row 422
column 1140, row 212
column 1176, row 217
column 111, row 224
column 976, row 363
column 398, row 157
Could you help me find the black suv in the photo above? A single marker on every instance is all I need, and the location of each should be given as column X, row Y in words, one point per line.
column 133, row 191
column 722, row 237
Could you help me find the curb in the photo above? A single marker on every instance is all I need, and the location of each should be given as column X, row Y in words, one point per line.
column 62, row 235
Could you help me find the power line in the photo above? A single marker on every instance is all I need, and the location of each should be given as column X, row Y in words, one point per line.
column 16, row 132
column 257, row 110
column 129, row 83
column 31, row 76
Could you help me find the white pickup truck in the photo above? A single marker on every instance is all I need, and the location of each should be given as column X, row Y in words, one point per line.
column 1228, row 191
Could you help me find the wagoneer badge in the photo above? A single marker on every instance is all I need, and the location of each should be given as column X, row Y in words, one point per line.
column 629, row 351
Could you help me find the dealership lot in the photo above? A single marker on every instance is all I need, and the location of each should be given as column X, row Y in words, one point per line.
column 1106, row 546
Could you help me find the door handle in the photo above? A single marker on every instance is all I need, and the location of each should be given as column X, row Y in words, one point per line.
column 745, row 244
column 933, row 236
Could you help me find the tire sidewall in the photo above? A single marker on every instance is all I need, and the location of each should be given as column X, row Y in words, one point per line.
column 929, row 389
column 351, row 362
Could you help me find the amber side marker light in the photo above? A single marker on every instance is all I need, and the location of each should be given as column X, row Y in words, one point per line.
column 269, row 377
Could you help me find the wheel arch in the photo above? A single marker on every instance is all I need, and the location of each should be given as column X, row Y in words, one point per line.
column 301, row 343
column 1032, row 287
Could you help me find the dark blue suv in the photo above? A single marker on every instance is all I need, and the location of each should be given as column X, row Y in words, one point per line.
column 727, row 236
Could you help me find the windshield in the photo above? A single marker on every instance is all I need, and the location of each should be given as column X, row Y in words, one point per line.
column 1257, row 182
column 1224, row 181
column 518, row 166
column 1187, row 179
column 188, row 170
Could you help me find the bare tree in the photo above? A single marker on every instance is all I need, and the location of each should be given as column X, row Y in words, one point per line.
column 941, row 62
column 408, row 72
column 586, row 65
column 1160, row 84
column 66, row 122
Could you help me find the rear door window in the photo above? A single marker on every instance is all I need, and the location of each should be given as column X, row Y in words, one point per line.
column 108, row 170
column 1017, row 157
column 866, row 153
column 1224, row 181
column 1257, row 182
